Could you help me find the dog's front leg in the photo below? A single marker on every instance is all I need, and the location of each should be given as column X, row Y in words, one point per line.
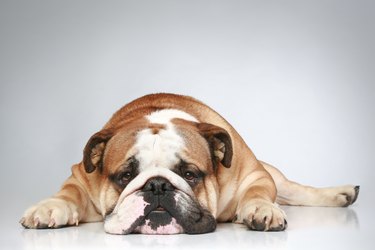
column 67, row 207
column 256, row 207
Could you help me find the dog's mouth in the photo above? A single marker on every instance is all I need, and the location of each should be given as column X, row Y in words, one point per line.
column 163, row 210
column 159, row 209
column 159, row 221
column 160, row 215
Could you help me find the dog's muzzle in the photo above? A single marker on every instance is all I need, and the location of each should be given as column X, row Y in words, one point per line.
column 159, row 206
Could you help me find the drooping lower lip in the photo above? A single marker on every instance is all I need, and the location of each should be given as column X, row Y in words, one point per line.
column 159, row 221
column 148, row 227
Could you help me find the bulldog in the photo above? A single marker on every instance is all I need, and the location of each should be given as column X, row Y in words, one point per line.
column 168, row 164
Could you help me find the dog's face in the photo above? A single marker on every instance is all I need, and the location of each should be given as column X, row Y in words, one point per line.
column 158, row 173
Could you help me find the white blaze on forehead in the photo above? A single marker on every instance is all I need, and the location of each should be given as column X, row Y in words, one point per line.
column 161, row 149
column 165, row 116
column 158, row 150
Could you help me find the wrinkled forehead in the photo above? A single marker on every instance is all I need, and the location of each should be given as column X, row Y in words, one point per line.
column 161, row 144
column 160, row 139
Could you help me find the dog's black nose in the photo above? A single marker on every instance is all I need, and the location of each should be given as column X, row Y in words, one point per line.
column 158, row 186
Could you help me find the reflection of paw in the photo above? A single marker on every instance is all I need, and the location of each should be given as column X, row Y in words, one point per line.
column 264, row 216
column 50, row 213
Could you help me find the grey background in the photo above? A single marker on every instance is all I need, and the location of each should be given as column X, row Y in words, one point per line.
column 296, row 78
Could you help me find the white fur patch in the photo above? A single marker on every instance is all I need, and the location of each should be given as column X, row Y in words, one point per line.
column 161, row 149
column 158, row 150
column 165, row 116
column 118, row 222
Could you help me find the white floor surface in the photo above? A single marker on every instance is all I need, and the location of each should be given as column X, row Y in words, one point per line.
column 308, row 228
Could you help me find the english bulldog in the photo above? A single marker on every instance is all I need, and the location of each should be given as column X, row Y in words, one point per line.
column 169, row 164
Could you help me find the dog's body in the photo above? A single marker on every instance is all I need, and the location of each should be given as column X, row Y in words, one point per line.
column 167, row 164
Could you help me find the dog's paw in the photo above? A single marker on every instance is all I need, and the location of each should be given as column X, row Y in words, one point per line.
column 264, row 216
column 341, row 196
column 50, row 213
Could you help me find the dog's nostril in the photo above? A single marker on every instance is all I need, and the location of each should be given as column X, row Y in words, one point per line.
column 168, row 186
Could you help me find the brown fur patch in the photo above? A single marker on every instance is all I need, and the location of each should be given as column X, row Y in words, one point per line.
column 156, row 127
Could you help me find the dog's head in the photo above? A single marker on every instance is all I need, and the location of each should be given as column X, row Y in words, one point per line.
column 158, row 174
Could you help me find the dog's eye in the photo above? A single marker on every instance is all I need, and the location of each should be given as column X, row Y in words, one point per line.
column 125, row 177
column 188, row 175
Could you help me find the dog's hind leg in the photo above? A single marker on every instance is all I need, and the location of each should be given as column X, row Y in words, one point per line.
column 292, row 193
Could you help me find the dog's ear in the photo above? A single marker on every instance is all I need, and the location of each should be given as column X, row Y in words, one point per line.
column 220, row 143
column 94, row 150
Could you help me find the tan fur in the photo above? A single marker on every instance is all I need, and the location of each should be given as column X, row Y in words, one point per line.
column 245, row 192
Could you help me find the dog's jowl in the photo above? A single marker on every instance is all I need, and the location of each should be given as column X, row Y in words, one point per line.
column 168, row 164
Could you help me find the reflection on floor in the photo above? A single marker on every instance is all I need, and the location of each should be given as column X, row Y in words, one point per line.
column 306, row 224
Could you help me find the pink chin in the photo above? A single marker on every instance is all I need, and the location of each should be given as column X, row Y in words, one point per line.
column 171, row 228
